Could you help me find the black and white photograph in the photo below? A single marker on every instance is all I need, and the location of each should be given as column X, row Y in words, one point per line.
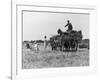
column 55, row 39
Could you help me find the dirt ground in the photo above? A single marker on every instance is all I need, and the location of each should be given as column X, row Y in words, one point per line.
column 46, row 58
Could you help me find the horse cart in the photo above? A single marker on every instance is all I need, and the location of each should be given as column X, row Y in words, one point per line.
column 66, row 41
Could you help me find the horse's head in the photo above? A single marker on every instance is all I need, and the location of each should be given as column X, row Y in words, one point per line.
column 59, row 31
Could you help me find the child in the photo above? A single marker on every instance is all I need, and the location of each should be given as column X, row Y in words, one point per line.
column 45, row 41
column 36, row 46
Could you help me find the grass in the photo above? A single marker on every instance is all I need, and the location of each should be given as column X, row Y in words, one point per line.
column 46, row 58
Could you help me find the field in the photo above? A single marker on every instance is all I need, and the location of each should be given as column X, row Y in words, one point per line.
column 46, row 58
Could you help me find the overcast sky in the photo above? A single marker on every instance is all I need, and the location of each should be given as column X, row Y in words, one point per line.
column 38, row 24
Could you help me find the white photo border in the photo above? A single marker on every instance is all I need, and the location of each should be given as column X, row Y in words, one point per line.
column 17, row 23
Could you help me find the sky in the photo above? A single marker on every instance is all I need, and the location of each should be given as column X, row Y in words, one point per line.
column 36, row 25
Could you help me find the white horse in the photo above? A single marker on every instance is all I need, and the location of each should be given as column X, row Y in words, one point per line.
column 35, row 47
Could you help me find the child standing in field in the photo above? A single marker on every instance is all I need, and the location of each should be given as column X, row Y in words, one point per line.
column 45, row 41
column 36, row 46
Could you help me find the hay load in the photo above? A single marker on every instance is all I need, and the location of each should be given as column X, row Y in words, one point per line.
column 66, row 41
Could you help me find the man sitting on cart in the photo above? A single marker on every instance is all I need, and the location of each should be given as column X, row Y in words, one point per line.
column 70, row 27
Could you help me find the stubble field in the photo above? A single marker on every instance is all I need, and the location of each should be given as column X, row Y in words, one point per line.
column 46, row 58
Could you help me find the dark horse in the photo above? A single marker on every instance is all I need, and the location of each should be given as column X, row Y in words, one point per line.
column 70, row 40
column 55, row 42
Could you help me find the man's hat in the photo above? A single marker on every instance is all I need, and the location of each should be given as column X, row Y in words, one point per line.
column 68, row 21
